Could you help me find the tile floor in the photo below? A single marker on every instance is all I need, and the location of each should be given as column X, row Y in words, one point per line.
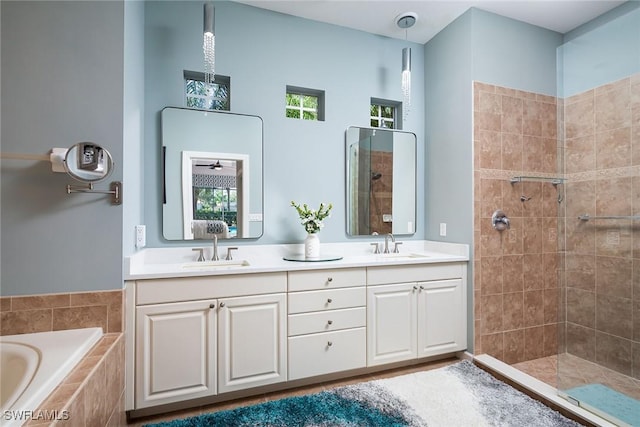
column 566, row 371
column 292, row 392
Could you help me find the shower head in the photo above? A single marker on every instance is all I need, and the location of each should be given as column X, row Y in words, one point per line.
column 375, row 176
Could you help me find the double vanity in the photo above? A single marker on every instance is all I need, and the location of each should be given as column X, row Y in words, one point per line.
column 208, row 331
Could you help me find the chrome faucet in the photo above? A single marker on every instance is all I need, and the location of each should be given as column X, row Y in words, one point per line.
column 386, row 242
column 215, row 256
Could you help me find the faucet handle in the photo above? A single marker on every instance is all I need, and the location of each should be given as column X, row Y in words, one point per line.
column 201, row 255
column 229, row 257
column 395, row 248
column 376, row 247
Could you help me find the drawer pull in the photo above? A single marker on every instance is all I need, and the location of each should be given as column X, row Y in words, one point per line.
column 329, row 343
column 329, row 322
column 329, row 300
column 212, row 305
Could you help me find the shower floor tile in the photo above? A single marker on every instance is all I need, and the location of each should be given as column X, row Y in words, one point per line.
column 567, row 371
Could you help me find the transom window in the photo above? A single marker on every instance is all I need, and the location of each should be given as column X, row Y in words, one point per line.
column 383, row 114
column 304, row 104
column 214, row 96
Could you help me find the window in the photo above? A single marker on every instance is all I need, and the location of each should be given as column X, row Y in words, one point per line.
column 383, row 114
column 199, row 95
column 304, row 104
column 214, row 203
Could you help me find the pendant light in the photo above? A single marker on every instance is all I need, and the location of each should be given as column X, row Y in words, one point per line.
column 209, row 43
column 406, row 21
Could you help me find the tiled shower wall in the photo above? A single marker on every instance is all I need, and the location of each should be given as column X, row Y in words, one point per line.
column 516, row 289
column 602, row 130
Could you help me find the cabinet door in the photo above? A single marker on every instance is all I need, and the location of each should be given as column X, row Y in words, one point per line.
column 252, row 341
column 175, row 352
column 391, row 323
column 441, row 317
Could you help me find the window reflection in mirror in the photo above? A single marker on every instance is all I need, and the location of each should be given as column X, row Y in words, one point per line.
column 381, row 181
column 213, row 175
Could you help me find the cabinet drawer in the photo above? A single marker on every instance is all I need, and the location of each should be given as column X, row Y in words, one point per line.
column 414, row 273
column 326, row 279
column 326, row 321
column 319, row 354
column 331, row 299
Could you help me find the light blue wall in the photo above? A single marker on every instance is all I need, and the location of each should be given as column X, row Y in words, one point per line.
column 513, row 54
column 263, row 52
column 62, row 83
column 600, row 52
column 449, row 162
column 133, row 112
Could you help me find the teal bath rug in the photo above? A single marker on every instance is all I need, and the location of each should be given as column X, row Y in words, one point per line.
column 607, row 400
column 457, row 395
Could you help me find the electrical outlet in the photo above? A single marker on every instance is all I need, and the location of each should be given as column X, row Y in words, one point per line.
column 443, row 229
column 141, row 236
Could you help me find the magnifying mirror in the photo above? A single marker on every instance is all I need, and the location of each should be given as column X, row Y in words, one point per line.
column 88, row 162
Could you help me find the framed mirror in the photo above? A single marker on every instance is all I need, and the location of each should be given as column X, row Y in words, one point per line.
column 381, row 181
column 213, row 166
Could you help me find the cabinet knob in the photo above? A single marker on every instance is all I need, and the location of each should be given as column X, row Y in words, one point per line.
column 415, row 288
column 330, row 279
column 329, row 322
column 421, row 288
column 222, row 304
column 212, row 305
column 329, row 300
column 329, row 343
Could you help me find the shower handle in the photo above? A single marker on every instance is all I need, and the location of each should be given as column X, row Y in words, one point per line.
column 500, row 221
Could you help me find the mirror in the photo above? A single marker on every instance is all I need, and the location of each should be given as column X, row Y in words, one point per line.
column 381, row 181
column 212, row 175
column 88, row 162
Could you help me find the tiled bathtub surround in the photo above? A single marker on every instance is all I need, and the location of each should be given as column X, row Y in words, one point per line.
column 92, row 394
column 516, row 289
column 602, row 130
column 53, row 312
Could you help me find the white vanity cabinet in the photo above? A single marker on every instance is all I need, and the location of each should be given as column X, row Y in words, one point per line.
column 223, row 341
column 175, row 352
column 216, row 336
column 327, row 321
column 415, row 311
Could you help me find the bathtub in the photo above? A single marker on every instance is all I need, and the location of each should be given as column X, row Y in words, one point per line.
column 33, row 365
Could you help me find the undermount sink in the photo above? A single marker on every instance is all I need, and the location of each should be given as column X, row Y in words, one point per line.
column 216, row 265
column 400, row 257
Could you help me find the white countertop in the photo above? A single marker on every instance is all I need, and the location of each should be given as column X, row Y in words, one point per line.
column 154, row 263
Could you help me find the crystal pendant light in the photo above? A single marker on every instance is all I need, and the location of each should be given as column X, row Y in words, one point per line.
column 406, row 81
column 209, row 44
column 405, row 21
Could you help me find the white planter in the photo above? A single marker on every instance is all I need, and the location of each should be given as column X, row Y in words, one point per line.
column 312, row 246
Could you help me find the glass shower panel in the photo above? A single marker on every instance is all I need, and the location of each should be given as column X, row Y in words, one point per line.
column 598, row 364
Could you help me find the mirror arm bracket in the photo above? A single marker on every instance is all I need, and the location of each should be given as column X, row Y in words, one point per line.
column 115, row 191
